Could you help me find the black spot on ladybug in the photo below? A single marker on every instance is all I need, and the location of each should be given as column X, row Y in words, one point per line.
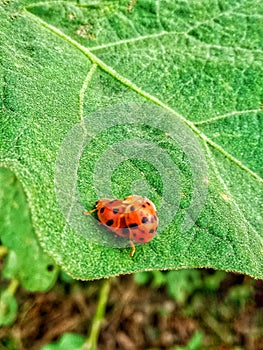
column 115, row 210
column 133, row 225
column 142, row 231
column 109, row 222
column 144, row 220
column 148, row 203
column 141, row 239
column 151, row 230
column 102, row 210
column 144, row 206
column 132, row 208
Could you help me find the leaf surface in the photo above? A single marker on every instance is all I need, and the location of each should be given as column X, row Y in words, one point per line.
column 200, row 62
column 25, row 261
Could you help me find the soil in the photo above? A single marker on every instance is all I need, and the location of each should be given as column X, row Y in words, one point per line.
column 139, row 317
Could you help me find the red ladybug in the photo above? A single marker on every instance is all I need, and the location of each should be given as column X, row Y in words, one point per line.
column 134, row 218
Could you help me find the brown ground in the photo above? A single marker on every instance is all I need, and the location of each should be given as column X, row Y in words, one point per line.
column 139, row 317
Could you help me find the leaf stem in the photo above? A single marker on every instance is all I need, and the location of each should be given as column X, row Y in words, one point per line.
column 91, row 342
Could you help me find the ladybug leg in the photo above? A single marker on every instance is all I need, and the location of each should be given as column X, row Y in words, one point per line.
column 132, row 245
column 133, row 248
column 90, row 212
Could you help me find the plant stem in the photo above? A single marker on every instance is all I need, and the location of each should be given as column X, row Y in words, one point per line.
column 13, row 285
column 11, row 290
column 91, row 342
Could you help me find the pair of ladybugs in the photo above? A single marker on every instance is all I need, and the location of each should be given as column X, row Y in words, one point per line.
column 134, row 218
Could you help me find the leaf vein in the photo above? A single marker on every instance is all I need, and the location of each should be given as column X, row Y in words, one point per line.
column 94, row 59
column 227, row 115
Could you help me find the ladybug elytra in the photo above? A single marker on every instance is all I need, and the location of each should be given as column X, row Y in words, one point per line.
column 134, row 218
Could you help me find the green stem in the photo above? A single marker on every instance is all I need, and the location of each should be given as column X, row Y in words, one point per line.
column 11, row 289
column 91, row 342
column 13, row 285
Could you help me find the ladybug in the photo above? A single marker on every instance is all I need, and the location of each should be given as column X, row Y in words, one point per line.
column 134, row 218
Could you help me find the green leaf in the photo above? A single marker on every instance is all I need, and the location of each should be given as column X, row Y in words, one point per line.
column 195, row 342
column 192, row 71
column 68, row 341
column 25, row 259
column 181, row 284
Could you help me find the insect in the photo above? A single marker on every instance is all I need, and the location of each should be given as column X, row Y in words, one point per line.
column 134, row 218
